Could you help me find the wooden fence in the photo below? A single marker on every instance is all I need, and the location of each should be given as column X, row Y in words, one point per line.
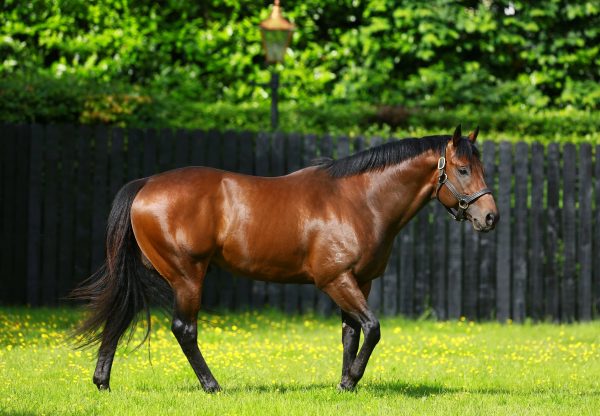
column 542, row 261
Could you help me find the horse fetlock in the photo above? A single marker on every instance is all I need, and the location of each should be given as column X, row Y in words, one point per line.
column 211, row 386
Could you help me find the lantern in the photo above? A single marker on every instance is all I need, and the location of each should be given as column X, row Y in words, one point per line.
column 276, row 35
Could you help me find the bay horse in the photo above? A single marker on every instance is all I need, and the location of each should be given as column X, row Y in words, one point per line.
column 331, row 224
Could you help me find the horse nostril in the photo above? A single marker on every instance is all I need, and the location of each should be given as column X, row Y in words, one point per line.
column 490, row 219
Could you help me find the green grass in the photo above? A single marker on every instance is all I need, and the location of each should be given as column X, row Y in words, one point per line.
column 272, row 364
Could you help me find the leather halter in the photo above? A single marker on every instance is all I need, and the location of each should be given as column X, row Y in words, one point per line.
column 463, row 200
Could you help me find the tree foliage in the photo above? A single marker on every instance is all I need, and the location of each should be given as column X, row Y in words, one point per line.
column 438, row 54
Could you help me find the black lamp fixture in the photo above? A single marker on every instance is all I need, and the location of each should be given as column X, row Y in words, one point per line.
column 276, row 36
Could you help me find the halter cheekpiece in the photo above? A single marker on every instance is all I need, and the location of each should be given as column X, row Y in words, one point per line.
column 463, row 200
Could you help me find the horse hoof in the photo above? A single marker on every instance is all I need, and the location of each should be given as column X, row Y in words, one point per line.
column 103, row 386
column 212, row 388
column 346, row 385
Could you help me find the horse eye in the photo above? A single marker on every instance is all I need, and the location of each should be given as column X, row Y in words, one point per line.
column 463, row 171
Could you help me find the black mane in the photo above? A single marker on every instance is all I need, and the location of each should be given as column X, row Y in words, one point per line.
column 392, row 153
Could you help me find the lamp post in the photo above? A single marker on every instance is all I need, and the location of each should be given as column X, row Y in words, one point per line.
column 276, row 34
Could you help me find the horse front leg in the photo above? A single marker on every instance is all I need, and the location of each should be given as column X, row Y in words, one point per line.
column 346, row 293
column 351, row 335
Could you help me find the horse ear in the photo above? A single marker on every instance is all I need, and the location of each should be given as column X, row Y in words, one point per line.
column 473, row 135
column 457, row 135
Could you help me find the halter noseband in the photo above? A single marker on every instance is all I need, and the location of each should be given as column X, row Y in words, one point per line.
column 463, row 200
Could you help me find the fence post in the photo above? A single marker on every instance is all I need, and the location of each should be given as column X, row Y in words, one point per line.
column 34, row 230
column 584, row 234
column 519, row 245
column 596, row 244
column 568, row 286
column 487, row 249
column 503, row 260
column 536, row 233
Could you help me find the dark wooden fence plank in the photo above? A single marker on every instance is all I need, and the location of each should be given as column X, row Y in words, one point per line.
column 5, row 295
column 596, row 245
column 423, row 241
column 245, row 165
column 568, row 287
column 470, row 287
column 439, row 266
column 261, row 168
column 9, row 168
column 116, row 163
column 135, row 146
column 406, row 269
column 536, row 232
column 584, row 234
column 325, row 305
column 503, row 259
column 376, row 296
column 19, row 281
column 308, row 293
column 198, row 148
column 487, row 243
column 83, row 206
column 150, row 161
column 166, row 144
column 50, row 216
column 5, row 130
column 100, row 199
column 519, row 245
column 391, row 281
column 455, row 270
column 213, row 150
column 166, row 150
column 181, row 156
column 326, row 146
column 66, row 278
column 34, row 214
column 552, row 283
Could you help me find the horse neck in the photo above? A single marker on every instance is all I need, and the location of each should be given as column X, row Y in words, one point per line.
column 398, row 192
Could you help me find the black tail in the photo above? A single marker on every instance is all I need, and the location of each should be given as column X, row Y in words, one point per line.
column 122, row 287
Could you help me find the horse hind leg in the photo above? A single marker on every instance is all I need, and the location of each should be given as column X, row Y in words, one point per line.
column 185, row 325
column 106, row 355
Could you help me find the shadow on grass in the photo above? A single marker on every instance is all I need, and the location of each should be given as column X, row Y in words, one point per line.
column 425, row 389
column 376, row 388
column 399, row 388
column 278, row 388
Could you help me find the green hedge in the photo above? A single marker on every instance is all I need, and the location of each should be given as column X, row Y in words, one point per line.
column 137, row 62
column 47, row 100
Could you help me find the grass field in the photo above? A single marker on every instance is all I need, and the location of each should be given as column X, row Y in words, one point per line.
column 273, row 364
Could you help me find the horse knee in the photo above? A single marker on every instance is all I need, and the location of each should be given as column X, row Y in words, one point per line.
column 372, row 332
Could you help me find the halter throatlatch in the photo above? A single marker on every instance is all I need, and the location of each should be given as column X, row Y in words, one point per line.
column 463, row 200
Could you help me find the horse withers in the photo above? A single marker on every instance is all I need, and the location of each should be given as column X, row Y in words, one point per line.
column 331, row 225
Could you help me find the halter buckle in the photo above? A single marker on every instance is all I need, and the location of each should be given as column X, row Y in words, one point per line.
column 441, row 163
column 443, row 177
column 463, row 204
